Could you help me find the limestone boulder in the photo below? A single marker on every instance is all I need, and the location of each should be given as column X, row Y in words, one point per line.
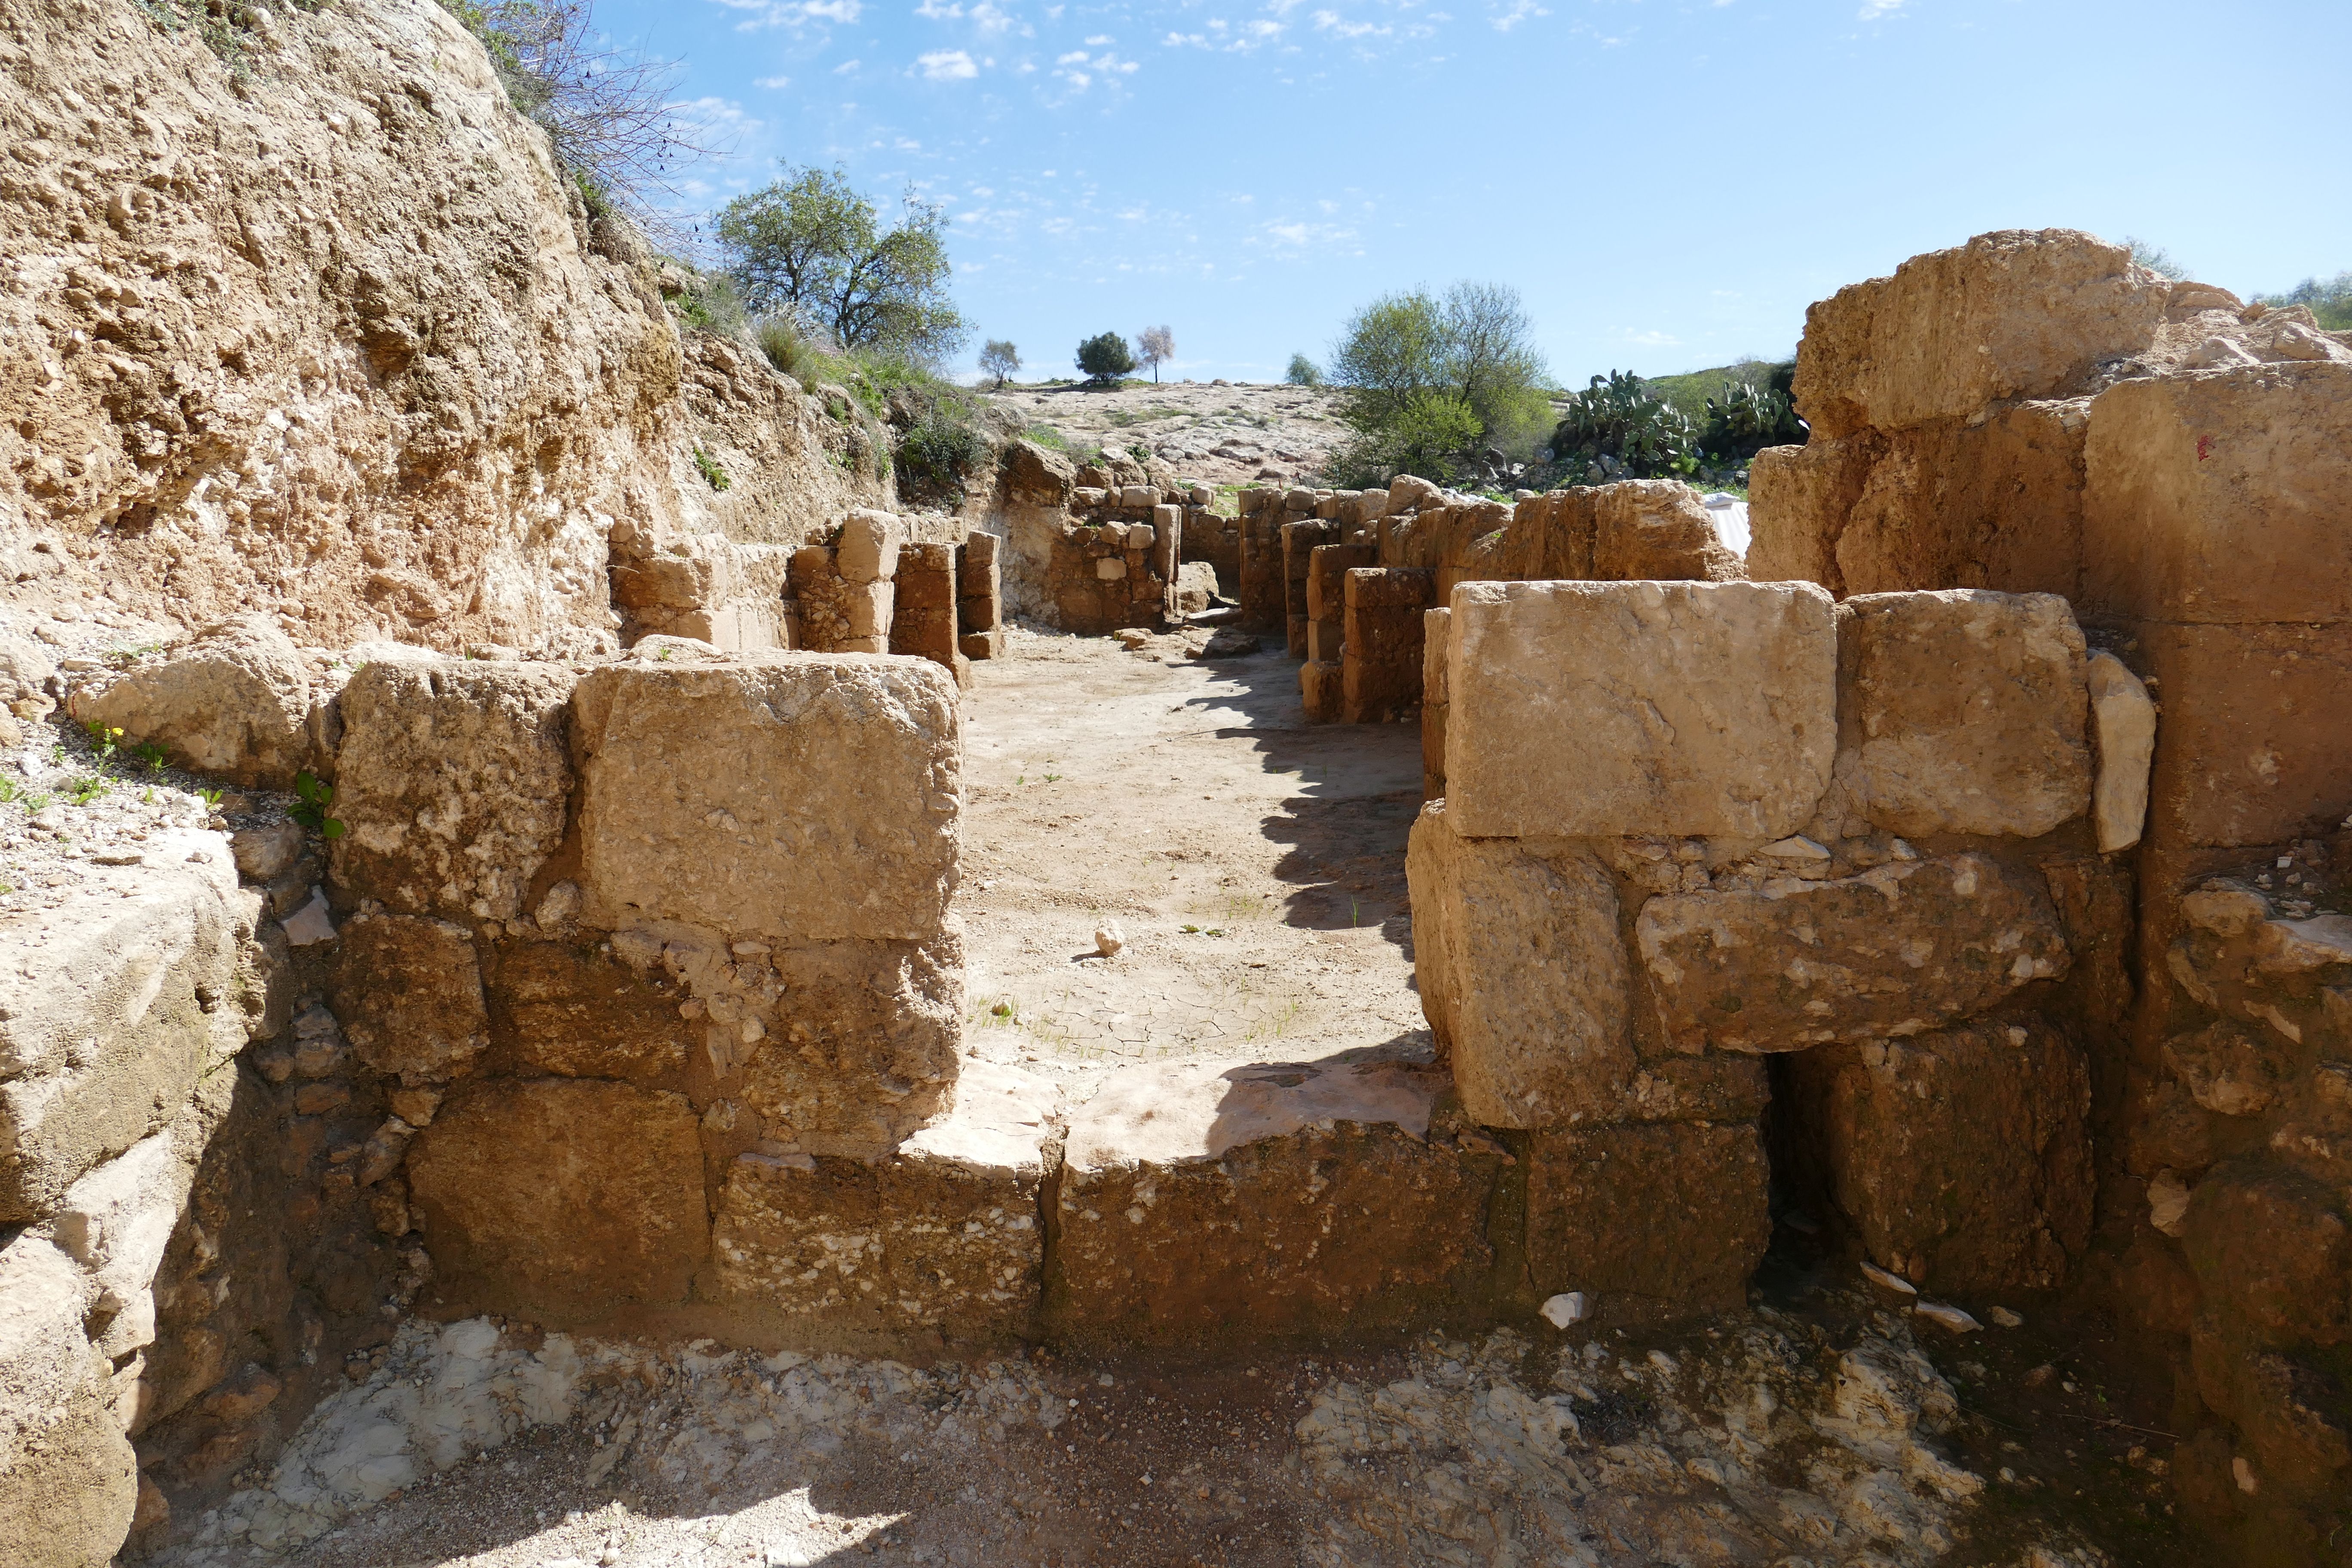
column 117, row 1221
column 113, row 1007
column 1896, row 950
column 1963, row 712
column 943, row 1235
column 408, row 992
column 1798, row 501
column 562, row 1196
column 452, row 785
column 1657, row 528
column 1036, row 476
column 26, row 671
column 2294, row 1417
column 237, row 704
column 68, row 1478
column 868, row 551
column 2014, row 314
column 1603, row 709
column 795, row 796
column 2217, row 498
column 1651, row 1222
column 1961, row 1158
column 1523, row 976
column 1207, row 1200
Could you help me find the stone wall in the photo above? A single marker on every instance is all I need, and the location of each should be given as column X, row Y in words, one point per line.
column 1091, row 549
column 1413, row 544
column 1691, row 827
column 2030, row 411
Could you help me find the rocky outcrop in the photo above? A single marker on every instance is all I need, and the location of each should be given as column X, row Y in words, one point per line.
column 319, row 331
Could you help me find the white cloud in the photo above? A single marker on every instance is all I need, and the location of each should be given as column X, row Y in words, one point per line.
column 1651, row 338
column 932, row 11
column 844, row 68
column 1871, row 10
column 1075, row 57
column 773, row 82
column 948, row 64
column 1099, row 40
column 1519, row 11
column 794, row 13
column 1330, row 22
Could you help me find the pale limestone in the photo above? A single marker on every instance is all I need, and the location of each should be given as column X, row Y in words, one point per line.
column 1963, row 710
column 2123, row 725
column 1603, row 708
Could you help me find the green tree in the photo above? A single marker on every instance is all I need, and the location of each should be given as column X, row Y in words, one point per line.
column 811, row 247
column 999, row 359
column 1303, row 372
column 1106, row 357
column 2155, row 257
column 1409, row 363
column 2330, row 301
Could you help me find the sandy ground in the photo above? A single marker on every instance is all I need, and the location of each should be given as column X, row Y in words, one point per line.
column 1235, row 434
column 1162, row 793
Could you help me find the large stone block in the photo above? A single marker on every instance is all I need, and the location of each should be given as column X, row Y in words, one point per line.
column 862, row 1046
column 1664, row 1220
column 2272, row 1248
column 1963, row 712
column 2250, row 748
column 795, row 796
column 564, row 1196
column 943, row 1235
column 1961, row 1158
column 408, row 992
column 1901, row 949
column 2220, row 496
column 114, row 1005
column 239, row 703
column 1995, row 502
column 452, row 785
column 1653, row 529
column 68, row 1479
column 1523, row 976
column 1326, row 577
column 564, row 1010
column 1380, row 662
column 1203, row 1200
column 1798, row 501
column 1590, row 709
column 2014, row 314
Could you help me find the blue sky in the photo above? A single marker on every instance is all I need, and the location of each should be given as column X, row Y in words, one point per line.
column 1668, row 182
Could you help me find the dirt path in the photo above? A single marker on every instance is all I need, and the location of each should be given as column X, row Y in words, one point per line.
column 1254, row 863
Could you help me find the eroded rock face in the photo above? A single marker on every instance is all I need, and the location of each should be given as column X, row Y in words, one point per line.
column 943, row 1235
column 451, row 784
column 826, row 808
column 1201, row 1199
column 1590, row 709
column 564, row 1193
column 1661, row 1220
column 1963, row 710
column 1657, row 529
column 237, row 704
column 1899, row 949
column 1962, row 1157
column 1523, row 976
column 119, row 1002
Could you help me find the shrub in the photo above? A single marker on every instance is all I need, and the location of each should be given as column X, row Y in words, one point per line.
column 2329, row 300
column 999, row 359
column 787, row 348
column 1303, row 372
column 2155, row 257
column 712, row 474
column 1428, row 436
column 1105, row 357
column 939, row 447
column 1411, row 365
column 607, row 111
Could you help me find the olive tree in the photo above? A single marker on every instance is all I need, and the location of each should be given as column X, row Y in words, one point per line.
column 1105, row 357
column 1417, row 370
column 811, row 247
column 999, row 359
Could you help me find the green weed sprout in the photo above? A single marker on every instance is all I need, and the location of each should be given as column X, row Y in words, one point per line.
column 316, row 796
